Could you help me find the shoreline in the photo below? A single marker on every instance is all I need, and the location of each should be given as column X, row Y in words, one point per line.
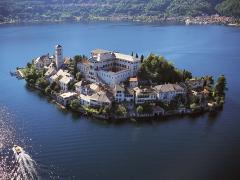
column 137, row 22
column 133, row 118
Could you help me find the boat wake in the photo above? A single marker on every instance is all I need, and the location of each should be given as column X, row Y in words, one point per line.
column 25, row 166
column 16, row 165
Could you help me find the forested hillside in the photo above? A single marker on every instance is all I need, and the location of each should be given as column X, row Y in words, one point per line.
column 142, row 10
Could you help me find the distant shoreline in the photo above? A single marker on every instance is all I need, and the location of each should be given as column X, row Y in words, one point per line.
column 180, row 21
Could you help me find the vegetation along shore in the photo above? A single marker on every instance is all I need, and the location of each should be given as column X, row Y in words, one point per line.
column 144, row 11
column 111, row 85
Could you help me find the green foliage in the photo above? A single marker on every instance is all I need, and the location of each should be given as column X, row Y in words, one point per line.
column 221, row 86
column 85, row 10
column 121, row 110
column 42, row 82
column 48, row 90
column 229, row 8
column 140, row 109
column 78, row 76
column 159, row 70
column 74, row 104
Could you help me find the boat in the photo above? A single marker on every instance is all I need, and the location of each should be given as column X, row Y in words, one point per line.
column 17, row 149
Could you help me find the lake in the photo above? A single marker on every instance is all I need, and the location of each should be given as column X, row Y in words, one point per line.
column 68, row 146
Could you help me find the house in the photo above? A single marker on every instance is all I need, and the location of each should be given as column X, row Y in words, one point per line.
column 66, row 98
column 144, row 95
column 122, row 94
column 80, row 86
column 50, row 72
column 98, row 99
column 43, row 61
column 109, row 67
column 65, row 81
column 63, row 78
column 195, row 83
column 168, row 92
column 133, row 82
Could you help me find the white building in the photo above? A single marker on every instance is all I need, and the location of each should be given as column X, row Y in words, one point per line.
column 122, row 94
column 59, row 56
column 109, row 67
column 144, row 95
column 63, row 78
column 98, row 99
column 43, row 61
column 168, row 92
column 65, row 98
column 64, row 82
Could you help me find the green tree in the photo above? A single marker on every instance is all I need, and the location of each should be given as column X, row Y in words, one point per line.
column 142, row 58
column 220, row 86
column 140, row 109
column 42, row 82
column 48, row 90
column 74, row 104
column 78, row 76
column 121, row 110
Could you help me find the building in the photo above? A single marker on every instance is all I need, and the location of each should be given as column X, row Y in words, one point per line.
column 66, row 98
column 109, row 67
column 59, row 56
column 97, row 100
column 168, row 92
column 80, row 87
column 144, row 95
column 122, row 94
column 195, row 83
column 43, row 61
column 63, row 78
column 133, row 82
column 64, row 82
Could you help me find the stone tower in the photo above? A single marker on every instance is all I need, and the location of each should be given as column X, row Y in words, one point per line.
column 59, row 56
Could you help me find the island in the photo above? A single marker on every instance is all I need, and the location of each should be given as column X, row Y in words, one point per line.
column 114, row 86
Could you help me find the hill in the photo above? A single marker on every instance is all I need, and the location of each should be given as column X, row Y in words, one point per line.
column 90, row 10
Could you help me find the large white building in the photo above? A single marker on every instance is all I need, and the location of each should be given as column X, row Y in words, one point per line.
column 168, row 92
column 109, row 67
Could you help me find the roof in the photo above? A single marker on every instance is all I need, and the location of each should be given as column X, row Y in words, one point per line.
column 119, row 88
column 100, row 51
column 126, row 57
column 94, row 87
column 58, row 46
column 50, row 71
column 68, row 95
column 168, row 88
column 133, row 79
column 101, row 96
column 42, row 58
column 146, row 90
column 66, row 79
column 81, row 83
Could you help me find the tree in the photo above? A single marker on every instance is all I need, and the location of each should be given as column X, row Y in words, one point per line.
column 78, row 76
column 78, row 58
column 220, row 86
column 142, row 58
column 132, row 53
column 136, row 55
column 42, row 82
column 48, row 90
column 140, row 109
column 121, row 110
column 74, row 104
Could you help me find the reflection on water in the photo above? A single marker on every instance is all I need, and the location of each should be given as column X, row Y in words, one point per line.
column 19, row 166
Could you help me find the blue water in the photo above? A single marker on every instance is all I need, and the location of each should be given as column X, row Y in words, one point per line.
column 67, row 146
